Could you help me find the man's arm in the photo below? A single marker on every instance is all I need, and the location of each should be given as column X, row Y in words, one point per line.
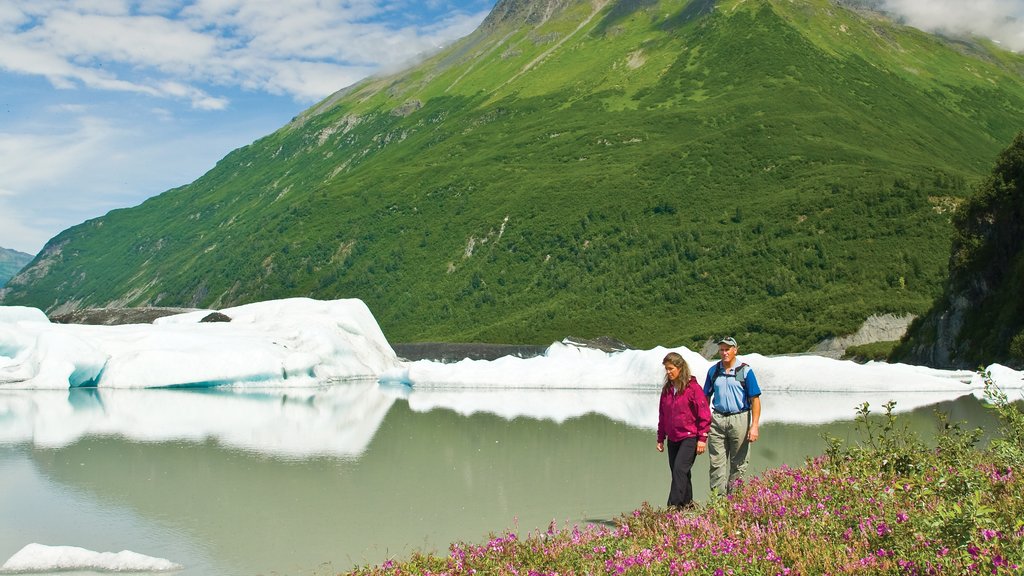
column 755, row 418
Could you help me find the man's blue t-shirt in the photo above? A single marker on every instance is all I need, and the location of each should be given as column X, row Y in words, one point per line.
column 726, row 392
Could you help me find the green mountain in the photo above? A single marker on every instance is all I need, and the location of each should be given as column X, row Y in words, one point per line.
column 11, row 261
column 979, row 318
column 657, row 170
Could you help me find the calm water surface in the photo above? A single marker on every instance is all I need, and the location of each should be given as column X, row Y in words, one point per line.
column 317, row 481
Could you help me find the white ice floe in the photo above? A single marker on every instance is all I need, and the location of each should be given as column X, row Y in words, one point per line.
column 36, row 558
column 282, row 343
column 569, row 382
column 301, row 346
column 566, row 366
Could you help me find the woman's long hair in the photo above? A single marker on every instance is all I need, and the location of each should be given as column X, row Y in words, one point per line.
column 678, row 361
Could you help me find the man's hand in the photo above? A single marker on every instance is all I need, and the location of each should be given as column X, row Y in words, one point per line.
column 752, row 434
column 701, row 447
column 661, row 447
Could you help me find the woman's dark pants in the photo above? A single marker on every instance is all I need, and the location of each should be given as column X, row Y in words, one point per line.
column 681, row 456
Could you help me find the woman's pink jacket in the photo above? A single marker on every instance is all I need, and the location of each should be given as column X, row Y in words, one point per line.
column 684, row 415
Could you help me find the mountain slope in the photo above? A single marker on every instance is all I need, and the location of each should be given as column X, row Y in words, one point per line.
column 661, row 171
column 11, row 261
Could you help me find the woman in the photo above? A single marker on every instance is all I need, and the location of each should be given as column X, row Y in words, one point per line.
column 684, row 418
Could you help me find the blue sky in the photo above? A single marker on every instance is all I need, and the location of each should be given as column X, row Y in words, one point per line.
column 104, row 103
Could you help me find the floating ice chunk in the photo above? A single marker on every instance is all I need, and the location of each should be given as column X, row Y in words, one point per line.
column 297, row 342
column 10, row 314
column 42, row 558
column 567, row 366
column 1003, row 377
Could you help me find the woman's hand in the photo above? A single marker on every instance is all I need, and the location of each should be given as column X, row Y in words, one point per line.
column 701, row 447
column 661, row 447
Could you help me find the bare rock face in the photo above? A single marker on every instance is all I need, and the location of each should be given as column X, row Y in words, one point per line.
column 453, row 352
column 877, row 328
column 216, row 317
column 943, row 349
column 532, row 12
column 602, row 343
column 116, row 316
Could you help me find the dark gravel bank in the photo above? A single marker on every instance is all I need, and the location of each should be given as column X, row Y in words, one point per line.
column 453, row 352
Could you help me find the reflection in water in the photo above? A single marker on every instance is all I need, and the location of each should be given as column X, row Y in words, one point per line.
column 294, row 422
column 260, row 483
column 341, row 420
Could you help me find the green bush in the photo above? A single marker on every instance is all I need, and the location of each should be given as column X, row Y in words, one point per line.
column 875, row 351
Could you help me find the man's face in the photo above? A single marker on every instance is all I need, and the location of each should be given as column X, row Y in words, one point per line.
column 728, row 353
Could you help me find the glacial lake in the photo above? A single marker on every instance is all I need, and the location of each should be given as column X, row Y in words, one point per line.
column 317, row 481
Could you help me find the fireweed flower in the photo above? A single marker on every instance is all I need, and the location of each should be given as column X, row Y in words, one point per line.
column 831, row 516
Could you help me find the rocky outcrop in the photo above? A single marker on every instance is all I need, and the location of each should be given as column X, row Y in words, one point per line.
column 533, row 12
column 453, row 352
column 877, row 328
column 116, row 316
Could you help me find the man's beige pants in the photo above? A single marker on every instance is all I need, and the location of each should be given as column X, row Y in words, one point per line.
column 728, row 448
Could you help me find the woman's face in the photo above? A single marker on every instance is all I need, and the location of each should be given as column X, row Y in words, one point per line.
column 672, row 370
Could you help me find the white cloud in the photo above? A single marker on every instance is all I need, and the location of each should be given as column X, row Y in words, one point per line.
column 15, row 234
column 185, row 52
column 34, row 161
column 1000, row 20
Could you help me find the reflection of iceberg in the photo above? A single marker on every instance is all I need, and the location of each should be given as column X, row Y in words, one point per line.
column 338, row 420
column 568, row 382
column 639, row 408
column 293, row 342
column 633, row 407
column 40, row 558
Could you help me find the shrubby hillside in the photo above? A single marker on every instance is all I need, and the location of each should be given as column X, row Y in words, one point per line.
column 661, row 171
column 980, row 315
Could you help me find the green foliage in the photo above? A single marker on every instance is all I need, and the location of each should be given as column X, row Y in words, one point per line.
column 986, row 269
column 1009, row 447
column 875, row 351
column 1017, row 347
column 663, row 173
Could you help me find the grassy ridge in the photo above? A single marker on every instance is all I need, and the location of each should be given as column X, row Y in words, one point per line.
column 660, row 171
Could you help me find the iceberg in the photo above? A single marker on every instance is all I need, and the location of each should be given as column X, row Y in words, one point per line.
column 35, row 558
column 295, row 342
column 300, row 342
column 567, row 366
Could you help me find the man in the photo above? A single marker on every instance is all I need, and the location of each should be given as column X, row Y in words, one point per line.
column 735, row 400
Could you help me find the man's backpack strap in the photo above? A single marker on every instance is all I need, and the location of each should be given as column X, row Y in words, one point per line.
column 740, row 375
